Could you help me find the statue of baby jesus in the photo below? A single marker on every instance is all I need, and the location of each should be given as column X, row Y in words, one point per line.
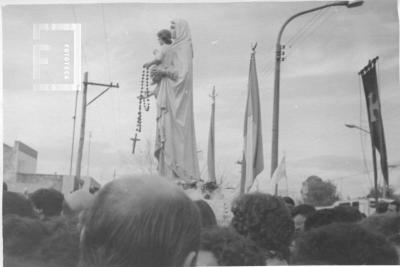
column 164, row 38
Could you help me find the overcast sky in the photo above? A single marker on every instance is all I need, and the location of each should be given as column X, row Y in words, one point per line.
column 320, row 88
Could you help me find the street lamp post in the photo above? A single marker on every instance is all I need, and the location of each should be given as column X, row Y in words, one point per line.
column 275, row 121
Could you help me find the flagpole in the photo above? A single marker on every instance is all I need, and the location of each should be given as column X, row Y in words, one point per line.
column 375, row 170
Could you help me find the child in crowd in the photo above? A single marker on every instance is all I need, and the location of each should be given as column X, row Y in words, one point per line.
column 266, row 220
column 223, row 246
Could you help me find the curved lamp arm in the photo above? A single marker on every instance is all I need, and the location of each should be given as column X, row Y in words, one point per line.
column 339, row 3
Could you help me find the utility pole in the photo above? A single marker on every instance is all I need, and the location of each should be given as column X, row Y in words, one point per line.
column 82, row 131
column 88, row 161
column 73, row 133
column 83, row 118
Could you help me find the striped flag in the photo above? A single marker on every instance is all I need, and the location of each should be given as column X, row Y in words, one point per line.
column 253, row 160
column 280, row 171
column 211, row 143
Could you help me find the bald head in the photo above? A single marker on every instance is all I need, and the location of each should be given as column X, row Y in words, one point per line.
column 140, row 221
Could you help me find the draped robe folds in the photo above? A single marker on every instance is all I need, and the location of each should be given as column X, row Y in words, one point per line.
column 175, row 146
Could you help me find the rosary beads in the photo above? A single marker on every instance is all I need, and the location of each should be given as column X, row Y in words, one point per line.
column 143, row 98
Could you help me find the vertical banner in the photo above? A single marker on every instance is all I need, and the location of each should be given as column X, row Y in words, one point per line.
column 370, row 83
column 211, row 144
column 253, row 160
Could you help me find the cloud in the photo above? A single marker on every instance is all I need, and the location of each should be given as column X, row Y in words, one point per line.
column 340, row 164
column 319, row 82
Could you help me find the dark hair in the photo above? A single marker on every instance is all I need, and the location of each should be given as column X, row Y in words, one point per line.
column 49, row 200
column 338, row 214
column 395, row 239
column 32, row 242
column 387, row 224
column 319, row 218
column 265, row 219
column 347, row 214
column 61, row 248
column 303, row 209
column 165, row 35
column 289, row 200
column 382, row 207
column 140, row 221
column 395, row 202
column 15, row 203
column 230, row 248
column 206, row 213
column 343, row 244
column 21, row 235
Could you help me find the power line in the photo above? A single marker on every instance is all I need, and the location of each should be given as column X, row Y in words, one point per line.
column 106, row 40
column 83, row 44
column 306, row 27
column 106, row 37
column 316, row 25
column 299, row 35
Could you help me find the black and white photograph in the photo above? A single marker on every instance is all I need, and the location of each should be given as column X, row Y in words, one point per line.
column 200, row 133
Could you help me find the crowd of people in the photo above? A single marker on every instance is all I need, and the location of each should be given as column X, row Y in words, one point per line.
column 150, row 221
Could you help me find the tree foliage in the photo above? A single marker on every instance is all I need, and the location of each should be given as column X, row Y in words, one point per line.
column 318, row 192
column 389, row 192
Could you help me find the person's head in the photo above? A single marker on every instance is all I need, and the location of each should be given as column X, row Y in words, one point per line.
column 382, row 207
column 223, row 246
column 394, row 206
column 14, row 203
column 338, row 214
column 289, row 202
column 141, row 221
column 21, row 235
column 264, row 219
column 347, row 214
column 164, row 37
column 206, row 213
column 32, row 242
column 395, row 240
column 387, row 224
column 319, row 218
column 300, row 213
column 343, row 244
column 48, row 202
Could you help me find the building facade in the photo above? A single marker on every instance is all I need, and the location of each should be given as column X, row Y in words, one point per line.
column 19, row 172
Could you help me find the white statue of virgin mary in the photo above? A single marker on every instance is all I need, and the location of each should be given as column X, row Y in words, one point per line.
column 175, row 147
